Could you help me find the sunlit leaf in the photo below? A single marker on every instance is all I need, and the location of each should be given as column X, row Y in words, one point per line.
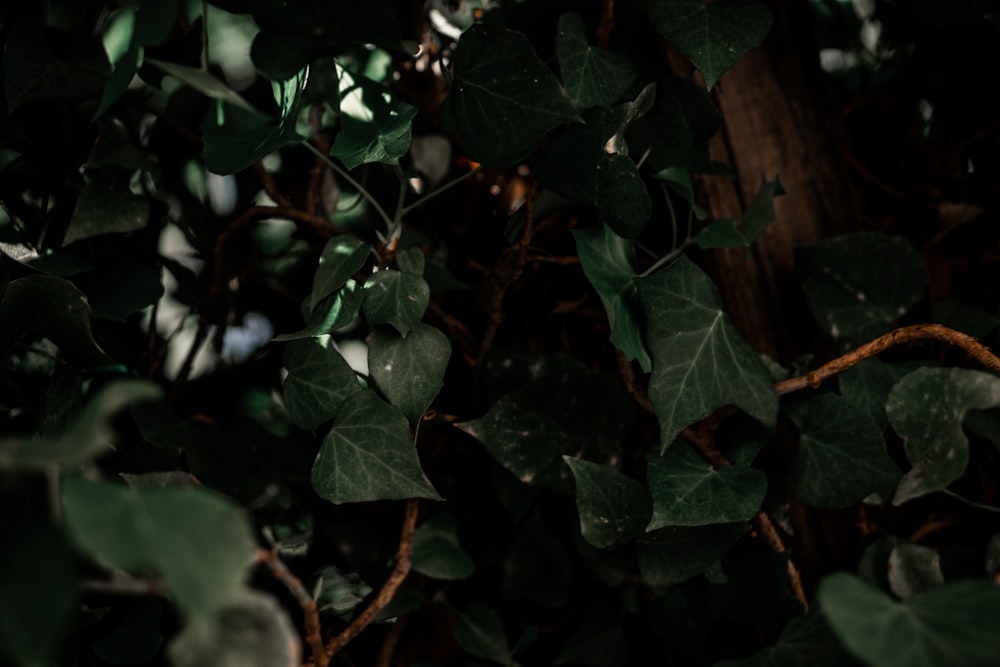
column 713, row 35
column 396, row 298
column 688, row 491
column 437, row 553
column 201, row 543
column 954, row 624
column 608, row 261
column 700, row 362
column 409, row 371
column 332, row 313
column 318, row 380
column 926, row 409
column 369, row 455
column 671, row 555
column 374, row 127
column 592, row 76
column 730, row 233
column 342, row 257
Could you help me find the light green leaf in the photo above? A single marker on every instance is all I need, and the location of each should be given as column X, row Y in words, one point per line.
column 204, row 82
column 857, row 285
column 592, row 76
column 730, row 233
column 926, row 409
column 612, row 507
column 334, row 312
column 805, row 640
column 714, row 35
column 374, row 125
column 950, row 626
column 503, row 99
column 688, row 491
column 318, row 381
column 437, row 553
column 396, row 298
column 700, row 362
column 201, row 543
column 480, row 632
column 342, row 257
column 841, row 458
column 672, row 555
column 409, row 371
column 608, row 261
column 913, row 569
column 369, row 455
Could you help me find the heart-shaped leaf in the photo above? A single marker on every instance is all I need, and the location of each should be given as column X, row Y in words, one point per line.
column 612, row 507
column 592, row 76
column 342, row 257
column 396, row 298
column 318, row 381
column 409, row 371
column 437, row 553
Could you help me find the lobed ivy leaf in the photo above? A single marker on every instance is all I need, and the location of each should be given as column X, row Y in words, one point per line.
column 334, row 312
column 805, row 640
column 700, row 362
column 503, row 99
column 396, row 298
column 318, row 381
column 857, row 285
column 201, row 543
column 913, row 569
column 437, row 552
column 107, row 206
column 411, row 260
column 688, row 491
column 677, row 132
column 730, row 233
column 867, row 385
column 954, row 624
column 713, row 35
column 612, row 507
column 592, row 76
column 841, row 458
column 369, row 455
column 669, row 556
column 608, row 261
column 342, row 257
column 409, row 371
column 926, row 409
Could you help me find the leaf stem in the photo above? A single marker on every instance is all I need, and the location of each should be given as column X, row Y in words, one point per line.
column 343, row 173
column 669, row 257
column 434, row 193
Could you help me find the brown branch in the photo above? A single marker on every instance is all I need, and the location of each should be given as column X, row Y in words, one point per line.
column 386, row 593
column 765, row 527
column 916, row 332
column 309, row 609
column 607, row 23
column 270, row 187
column 627, row 373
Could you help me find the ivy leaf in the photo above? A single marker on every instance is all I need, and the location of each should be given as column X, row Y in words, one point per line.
column 437, row 553
column 592, row 76
column 318, row 381
column 688, row 491
column 677, row 133
column 201, row 543
column 612, row 507
column 608, row 261
column 914, row 569
column 236, row 138
column 953, row 624
column 342, row 257
column 867, row 386
column 411, row 260
column 503, row 99
column 369, row 455
column 926, row 409
column 376, row 127
column 396, row 298
column 409, row 371
column 857, row 285
column 204, row 82
column 700, row 362
column 334, row 312
column 671, row 555
column 730, row 233
column 126, row 288
column 805, row 640
column 537, row 566
column 480, row 632
column 106, row 206
column 714, row 35
column 841, row 457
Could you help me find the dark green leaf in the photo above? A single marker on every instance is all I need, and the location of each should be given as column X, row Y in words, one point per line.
column 411, row 260
column 126, row 288
column 503, row 98
column 730, row 233
column 342, row 257
column 204, row 82
column 914, row 569
column 688, row 491
column 437, row 552
column 599, row 640
column 537, row 566
column 592, row 76
column 334, row 312
column 318, row 380
column 700, row 362
column 677, row 133
column 712, row 35
column 396, row 298
column 805, row 640
column 608, row 261
column 612, row 507
column 376, row 128
column 926, row 409
column 369, row 455
column 841, row 457
column 966, row 318
column 107, row 206
column 953, row 625
column 857, row 285
column 671, row 555
column 480, row 632
column 867, row 386
column 136, row 638
column 409, row 371
column 201, row 543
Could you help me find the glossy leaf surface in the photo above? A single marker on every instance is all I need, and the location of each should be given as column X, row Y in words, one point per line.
column 409, row 371
column 342, row 257
column 376, row 128
column 318, row 380
column 396, row 298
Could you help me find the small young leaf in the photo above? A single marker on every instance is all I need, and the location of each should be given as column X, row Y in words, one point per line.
column 592, row 76
column 688, row 491
column 612, row 507
column 954, row 624
column 380, row 129
column 608, row 261
column 713, row 35
column 369, row 455
column 332, row 313
column 672, row 555
column 480, row 632
column 926, row 409
column 396, row 298
column 700, row 362
column 437, row 552
column 409, row 371
column 730, row 233
column 318, row 381
column 914, row 569
column 841, row 457
column 342, row 257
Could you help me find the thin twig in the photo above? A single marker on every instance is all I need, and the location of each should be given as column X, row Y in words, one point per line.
column 908, row 334
column 603, row 32
column 770, row 534
column 627, row 373
column 309, row 609
column 970, row 503
column 343, row 173
column 200, row 336
column 434, row 193
column 388, row 590
column 270, row 187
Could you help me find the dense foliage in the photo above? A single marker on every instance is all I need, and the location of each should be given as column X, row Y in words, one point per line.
column 386, row 332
